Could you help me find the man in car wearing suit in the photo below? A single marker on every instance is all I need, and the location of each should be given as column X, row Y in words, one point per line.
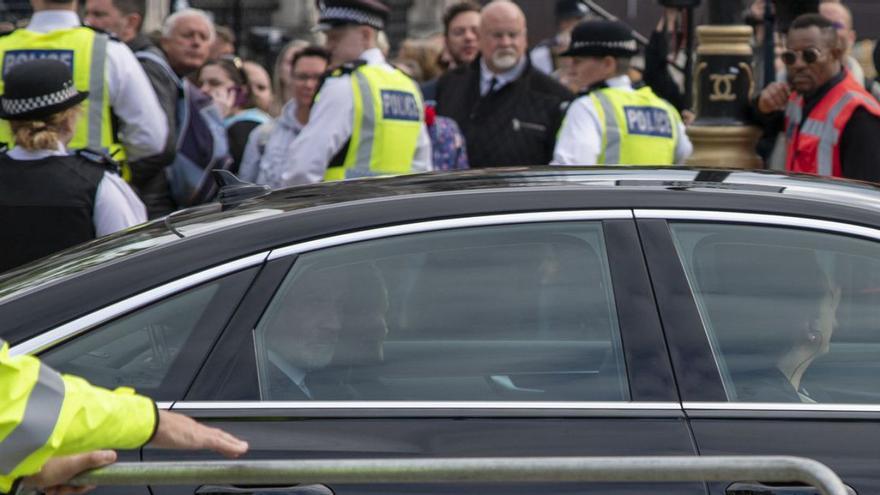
column 332, row 320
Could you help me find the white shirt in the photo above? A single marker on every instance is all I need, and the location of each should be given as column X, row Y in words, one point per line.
column 296, row 375
column 580, row 139
column 330, row 126
column 502, row 79
column 143, row 127
column 117, row 207
column 265, row 156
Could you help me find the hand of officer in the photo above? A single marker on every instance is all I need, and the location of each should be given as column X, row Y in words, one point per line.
column 177, row 431
column 774, row 98
column 58, row 471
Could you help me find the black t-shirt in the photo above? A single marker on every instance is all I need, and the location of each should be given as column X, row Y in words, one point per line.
column 239, row 133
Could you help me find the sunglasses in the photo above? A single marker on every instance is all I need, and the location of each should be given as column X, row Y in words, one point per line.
column 810, row 56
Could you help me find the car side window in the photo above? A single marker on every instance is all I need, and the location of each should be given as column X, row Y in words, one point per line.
column 791, row 314
column 156, row 349
column 506, row 313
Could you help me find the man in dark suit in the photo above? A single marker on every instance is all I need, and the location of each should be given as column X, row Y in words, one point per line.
column 332, row 321
column 508, row 111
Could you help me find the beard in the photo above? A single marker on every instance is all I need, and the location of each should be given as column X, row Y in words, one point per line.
column 505, row 59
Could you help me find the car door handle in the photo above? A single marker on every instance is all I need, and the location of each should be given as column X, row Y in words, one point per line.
column 264, row 490
column 755, row 488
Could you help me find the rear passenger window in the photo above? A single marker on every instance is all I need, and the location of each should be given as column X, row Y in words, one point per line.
column 791, row 314
column 508, row 313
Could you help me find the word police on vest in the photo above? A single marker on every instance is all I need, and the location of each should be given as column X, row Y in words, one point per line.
column 400, row 105
column 15, row 57
column 648, row 121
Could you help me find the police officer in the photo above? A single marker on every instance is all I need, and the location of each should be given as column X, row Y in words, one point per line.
column 101, row 65
column 368, row 118
column 611, row 122
column 50, row 199
column 545, row 55
column 46, row 414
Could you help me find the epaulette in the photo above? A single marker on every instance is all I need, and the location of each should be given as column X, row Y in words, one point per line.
column 348, row 68
column 100, row 158
column 101, row 31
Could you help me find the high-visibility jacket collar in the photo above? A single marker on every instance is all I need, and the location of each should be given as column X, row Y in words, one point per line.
column 813, row 140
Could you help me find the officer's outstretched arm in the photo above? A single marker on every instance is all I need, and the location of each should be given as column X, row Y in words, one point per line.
column 44, row 415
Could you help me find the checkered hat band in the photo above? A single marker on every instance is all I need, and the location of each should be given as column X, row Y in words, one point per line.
column 630, row 45
column 24, row 105
column 352, row 15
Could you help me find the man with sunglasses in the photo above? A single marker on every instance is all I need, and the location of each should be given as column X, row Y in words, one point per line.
column 831, row 123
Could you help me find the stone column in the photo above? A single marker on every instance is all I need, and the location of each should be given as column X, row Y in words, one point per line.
column 724, row 84
column 157, row 10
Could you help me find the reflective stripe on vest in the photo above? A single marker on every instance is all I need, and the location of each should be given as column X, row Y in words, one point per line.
column 813, row 144
column 86, row 51
column 38, row 422
column 638, row 127
column 388, row 116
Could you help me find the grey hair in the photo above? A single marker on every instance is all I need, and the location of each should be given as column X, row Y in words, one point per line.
column 172, row 20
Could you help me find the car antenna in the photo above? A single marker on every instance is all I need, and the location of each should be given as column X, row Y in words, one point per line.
column 234, row 191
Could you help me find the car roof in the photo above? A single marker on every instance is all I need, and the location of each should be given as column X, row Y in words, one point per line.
column 801, row 186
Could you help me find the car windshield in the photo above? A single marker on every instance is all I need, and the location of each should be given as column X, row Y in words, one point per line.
column 61, row 266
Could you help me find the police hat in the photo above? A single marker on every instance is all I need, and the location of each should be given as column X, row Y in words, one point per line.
column 600, row 39
column 570, row 9
column 38, row 89
column 334, row 13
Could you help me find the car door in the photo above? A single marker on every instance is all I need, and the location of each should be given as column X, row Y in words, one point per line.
column 509, row 335
column 772, row 326
column 154, row 342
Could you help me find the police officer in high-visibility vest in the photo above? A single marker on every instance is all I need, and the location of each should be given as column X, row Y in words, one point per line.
column 47, row 419
column 368, row 118
column 104, row 67
column 612, row 123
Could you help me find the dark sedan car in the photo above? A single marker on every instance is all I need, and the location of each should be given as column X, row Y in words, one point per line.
column 517, row 312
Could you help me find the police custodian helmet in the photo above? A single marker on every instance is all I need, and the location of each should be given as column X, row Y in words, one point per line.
column 38, row 89
column 602, row 38
column 335, row 13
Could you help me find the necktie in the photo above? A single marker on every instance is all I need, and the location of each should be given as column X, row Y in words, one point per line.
column 493, row 84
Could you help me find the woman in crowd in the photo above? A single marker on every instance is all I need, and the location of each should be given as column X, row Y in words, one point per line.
column 260, row 85
column 226, row 81
column 266, row 155
column 282, row 81
column 51, row 199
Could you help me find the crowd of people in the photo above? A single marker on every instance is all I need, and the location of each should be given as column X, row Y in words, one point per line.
column 163, row 109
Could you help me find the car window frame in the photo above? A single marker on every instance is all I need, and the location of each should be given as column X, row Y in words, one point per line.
column 650, row 380
column 697, row 371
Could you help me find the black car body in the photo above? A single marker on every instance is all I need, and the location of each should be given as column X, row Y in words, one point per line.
column 529, row 312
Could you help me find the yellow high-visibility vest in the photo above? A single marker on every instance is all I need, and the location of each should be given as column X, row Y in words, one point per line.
column 638, row 127
column 388, row 116
column 85, row 50
column 44, row 414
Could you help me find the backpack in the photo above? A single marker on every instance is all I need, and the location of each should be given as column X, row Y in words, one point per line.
column 202, row 144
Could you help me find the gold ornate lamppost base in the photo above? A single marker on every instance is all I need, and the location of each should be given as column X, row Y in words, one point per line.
column 724, row 84
column 725, row 146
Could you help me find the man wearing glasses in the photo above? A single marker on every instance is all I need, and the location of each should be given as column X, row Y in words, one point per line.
column 831, row 123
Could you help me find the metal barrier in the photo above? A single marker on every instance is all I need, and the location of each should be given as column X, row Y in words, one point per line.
column 503, row 470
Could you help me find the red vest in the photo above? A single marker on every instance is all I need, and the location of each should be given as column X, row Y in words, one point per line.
column 813, row 146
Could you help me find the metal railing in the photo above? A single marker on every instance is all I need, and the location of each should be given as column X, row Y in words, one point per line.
column 501, row 470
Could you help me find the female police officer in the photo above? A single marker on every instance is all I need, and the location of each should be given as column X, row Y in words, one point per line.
column 51, row 199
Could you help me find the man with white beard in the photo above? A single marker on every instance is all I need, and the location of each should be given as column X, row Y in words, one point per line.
column 508, row 111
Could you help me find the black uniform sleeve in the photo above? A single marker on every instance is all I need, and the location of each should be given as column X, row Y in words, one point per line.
column 860, row 147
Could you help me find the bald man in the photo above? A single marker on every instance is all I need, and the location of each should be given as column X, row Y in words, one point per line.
column 508, row 111
column 841, row 16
